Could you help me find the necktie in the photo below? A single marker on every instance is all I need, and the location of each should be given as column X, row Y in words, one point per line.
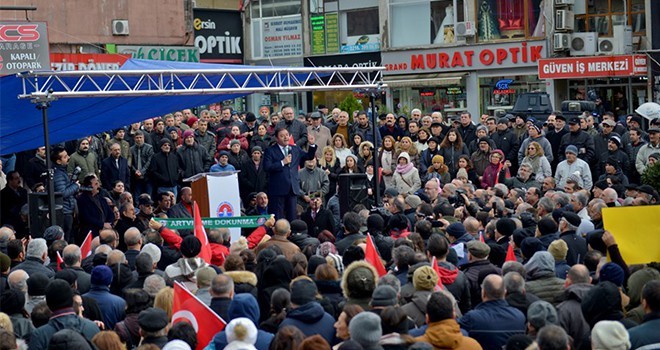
column 314, row 215
column 117, row 163
column 139, row 158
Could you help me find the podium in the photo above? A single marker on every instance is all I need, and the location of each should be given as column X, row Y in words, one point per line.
column 200, row 192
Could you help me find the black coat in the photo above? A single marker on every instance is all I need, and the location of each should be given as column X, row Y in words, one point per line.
column 252, row 180
column 584, row 143
column 324, row 221
column 193, row 160
column 93, row 212
column 507, row 142
column 164, row 170
column 577, row 247
column 110, row 173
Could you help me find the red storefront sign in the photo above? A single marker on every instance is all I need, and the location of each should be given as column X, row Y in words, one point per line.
column 597, row 66
column 86, row 61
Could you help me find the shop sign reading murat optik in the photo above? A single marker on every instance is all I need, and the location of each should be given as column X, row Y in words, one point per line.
column 464, row 58
column 23, row 47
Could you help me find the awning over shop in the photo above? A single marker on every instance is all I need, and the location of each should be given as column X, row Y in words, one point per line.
column 424, row 80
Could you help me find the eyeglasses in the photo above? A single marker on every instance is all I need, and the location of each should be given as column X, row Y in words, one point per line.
column 419, row 215
column 532, row 148
column 607, row 126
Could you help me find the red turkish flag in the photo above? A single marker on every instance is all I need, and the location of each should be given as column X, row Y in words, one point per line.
column 436, row 268
column 187, row 308
column 200, row 233
column 481, row 237
column 372, row 257
column 291, row 142
column 60, row 261
column 510, row 255
column 86, row 247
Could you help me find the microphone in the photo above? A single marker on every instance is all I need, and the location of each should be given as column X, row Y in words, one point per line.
column 287, row 149
column 76, row 173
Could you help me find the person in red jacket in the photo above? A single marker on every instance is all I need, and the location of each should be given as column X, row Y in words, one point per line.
column 235, row 134
column 216, row 240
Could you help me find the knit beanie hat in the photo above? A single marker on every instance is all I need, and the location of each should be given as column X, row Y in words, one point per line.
column 53, row 233
column 5, row 262
column 188, row 133
column 37, row 284
column 384, row 296
column 101, row 275
column 425, row 278
column 361, row 279
column 241, row 329
column 637, row 281
column 238, row 246
column 234, row 142
column 59, row 294
column 13, row 301
column 610, row 335
column 190, row 246
column 558, row 248
column 505, row 226
column 303, row 291
column 456, row 229
column 541, row 313
column 191, row 121
column 462, row 174
column 613, row 273
column 365, row 329
column 438, row 159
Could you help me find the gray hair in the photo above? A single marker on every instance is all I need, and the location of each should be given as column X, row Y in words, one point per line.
column 222, row 284
column 569, row 226
column 36, row 248
column 116, row 256
column 72, row 255
column 547, row 204
column 582, row 198
column 561, row 198
column 514, row 283
column 390, row 280
column 153, row 284
column 17, row 280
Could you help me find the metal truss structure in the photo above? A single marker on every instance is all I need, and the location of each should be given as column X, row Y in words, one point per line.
column 113, row 83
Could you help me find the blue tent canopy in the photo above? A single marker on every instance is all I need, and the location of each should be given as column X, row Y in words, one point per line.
column 21, row 126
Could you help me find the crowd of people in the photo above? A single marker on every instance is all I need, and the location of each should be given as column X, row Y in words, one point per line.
column 490, row 233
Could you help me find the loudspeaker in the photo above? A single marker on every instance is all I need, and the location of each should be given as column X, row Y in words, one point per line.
column 352, row 191
column 39, row 221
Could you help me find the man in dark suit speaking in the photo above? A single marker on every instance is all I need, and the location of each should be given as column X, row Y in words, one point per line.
column 281, row 161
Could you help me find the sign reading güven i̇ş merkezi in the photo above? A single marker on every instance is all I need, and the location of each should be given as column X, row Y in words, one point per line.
column 23, row 47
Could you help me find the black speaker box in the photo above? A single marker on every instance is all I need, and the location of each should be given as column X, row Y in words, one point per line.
column 352, row 191
column 39, row 216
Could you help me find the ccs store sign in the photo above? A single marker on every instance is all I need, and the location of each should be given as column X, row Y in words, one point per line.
column 23, row 47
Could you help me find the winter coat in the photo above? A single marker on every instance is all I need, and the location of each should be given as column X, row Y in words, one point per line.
column 480, row 160
column 68, row 188
column 297, row 130
column 507, row 142
column 541, row 278
column 446, row 334
column 238, row 159
column 141, row 159
column 206, row 141
column 577, row 247
column 88, row 163
column 646, row 334
column 129, row 331
column 517, row 182
column 642, row 159
column 540, row 167
column 288, row 248
column 408, row 183
column 164, row 169
column 62, row 319
column 32, row 265
column 244, row 282
column 619, row 155
column 569, row 311
column 451, row 155
column 111, row 173
column 243, row 305
column 416, row 308
column 193, row 160
column 456, row 283
column 425, row 159
column 521, row 301
column 468, row 133
column 93, row 212
column 263, row 142
column 311, row 319
column 565, row 170
column 220, row 305
column 492, row 323
column 584, row 143
column 545, row 144
column 112, row 306
column 224, row 144
column 495, row 174
column 472, row 271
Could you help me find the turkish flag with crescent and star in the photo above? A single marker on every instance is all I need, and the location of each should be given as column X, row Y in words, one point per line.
column 187, row 308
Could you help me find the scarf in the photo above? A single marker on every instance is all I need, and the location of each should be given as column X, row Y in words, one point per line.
column 404, row 169
column 534, row 161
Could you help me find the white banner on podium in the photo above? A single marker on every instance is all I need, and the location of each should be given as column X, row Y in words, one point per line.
column 224, row 199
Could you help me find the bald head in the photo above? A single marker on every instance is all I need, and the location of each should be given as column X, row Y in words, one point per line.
column 282, row 227
column 108, row 237
column 133, row 238
column 6, row 234
column 578, row 274
column 71, row 255
column 492, row 288
column 609, row 195
column 18, row 280
column 472, row 225
column 103, row 248
column 116, row 257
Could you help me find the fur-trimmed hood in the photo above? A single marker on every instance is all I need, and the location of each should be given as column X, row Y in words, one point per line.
column 359, row 280
column 243, row 277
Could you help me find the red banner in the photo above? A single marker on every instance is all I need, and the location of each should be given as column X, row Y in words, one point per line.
column 86, row 61
column 596, row 66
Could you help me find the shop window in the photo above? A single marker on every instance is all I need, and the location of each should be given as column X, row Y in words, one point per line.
column 274, row 8
column 508, row 19
column 425, row 22
column 602, row 15
column 498, row 95
column 362, row 22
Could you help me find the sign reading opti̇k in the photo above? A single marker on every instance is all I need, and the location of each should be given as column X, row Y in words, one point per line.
column 218, row 35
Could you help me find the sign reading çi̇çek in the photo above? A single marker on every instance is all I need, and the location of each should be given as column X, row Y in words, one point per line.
column 464, row 58
column 598, row 66
column 218, row 35
column 23, row 47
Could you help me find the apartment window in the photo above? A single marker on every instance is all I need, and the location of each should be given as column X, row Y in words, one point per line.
column 425, row 22
column 509, row 19
column 602, row 15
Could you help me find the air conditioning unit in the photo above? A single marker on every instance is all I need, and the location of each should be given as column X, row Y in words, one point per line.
column 564, row 20
column 120, row 27
column 564, row 2
column 584, row 44
column 606, row 46
column 465, row 28
column 624, row 36
column 562, row 41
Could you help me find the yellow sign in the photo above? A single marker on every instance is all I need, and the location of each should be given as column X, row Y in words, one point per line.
column 636, row 230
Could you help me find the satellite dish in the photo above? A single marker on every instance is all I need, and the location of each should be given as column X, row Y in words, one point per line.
column 649, row 110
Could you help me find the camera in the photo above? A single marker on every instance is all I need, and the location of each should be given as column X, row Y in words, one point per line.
column 75, row 174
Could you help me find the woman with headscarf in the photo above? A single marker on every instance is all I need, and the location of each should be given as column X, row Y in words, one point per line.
column 497, row 171
column 406, row 177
